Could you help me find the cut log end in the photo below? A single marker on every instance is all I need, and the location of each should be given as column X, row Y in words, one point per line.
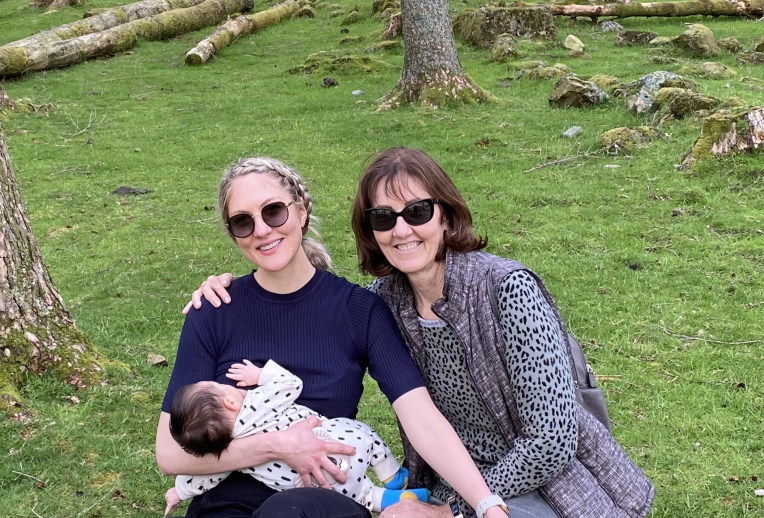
column 728, row 132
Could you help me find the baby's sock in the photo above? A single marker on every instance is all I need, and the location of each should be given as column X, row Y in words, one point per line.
column 399, row 480
column 382, row 498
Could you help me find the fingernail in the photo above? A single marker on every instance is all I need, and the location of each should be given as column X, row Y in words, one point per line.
column 227, row 300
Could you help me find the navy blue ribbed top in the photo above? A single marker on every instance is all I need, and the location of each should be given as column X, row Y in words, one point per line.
column 328, row 333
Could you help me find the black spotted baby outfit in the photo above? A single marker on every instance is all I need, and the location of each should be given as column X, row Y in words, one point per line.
column 271, row 407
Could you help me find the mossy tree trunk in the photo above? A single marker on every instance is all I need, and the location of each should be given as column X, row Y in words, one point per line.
column 19, row 60
column 231, row 30
column 104, row 19
column 36, row 332
column 666, row 9
column 728, row 132
column 431, row 72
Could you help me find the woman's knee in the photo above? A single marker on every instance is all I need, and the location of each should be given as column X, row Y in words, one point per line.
column 310, row 503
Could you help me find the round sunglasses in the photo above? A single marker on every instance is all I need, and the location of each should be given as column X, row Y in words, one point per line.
column 243, row 225
column 415, row 213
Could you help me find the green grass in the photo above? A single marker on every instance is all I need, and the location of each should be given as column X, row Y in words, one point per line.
column 670, row 306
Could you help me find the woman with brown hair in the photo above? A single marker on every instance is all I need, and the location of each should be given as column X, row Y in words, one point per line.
column 503, row 380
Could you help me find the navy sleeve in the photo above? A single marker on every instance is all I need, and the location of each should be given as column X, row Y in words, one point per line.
column 197, row 352
column 390, row 363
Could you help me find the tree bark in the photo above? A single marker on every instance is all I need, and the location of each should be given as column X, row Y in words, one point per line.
column 724, row 133
column 36, row 332
column 431, row 72
column 231, row 30
column 19, row 60
column 667, row 9
column 105, row 19
column 6, row 103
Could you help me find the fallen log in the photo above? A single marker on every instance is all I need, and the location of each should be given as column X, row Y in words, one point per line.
column 105, row 19
column 750, row 8
column 19, row 60
column 231, row 30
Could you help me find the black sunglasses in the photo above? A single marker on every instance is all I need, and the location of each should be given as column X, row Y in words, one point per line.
column 243, row 225
column 415, row 213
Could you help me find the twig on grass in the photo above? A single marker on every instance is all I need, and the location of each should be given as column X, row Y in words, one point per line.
column 35, row 512
column 28, row 476
column 110, row 491
column 566, row 159
column 709, row 340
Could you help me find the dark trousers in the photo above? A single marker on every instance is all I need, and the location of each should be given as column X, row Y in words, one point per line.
column 241, row 496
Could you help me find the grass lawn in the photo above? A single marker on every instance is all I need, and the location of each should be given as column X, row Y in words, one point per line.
column 659, row 272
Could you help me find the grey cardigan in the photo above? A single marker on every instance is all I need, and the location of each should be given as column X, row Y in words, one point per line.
column 601, row 481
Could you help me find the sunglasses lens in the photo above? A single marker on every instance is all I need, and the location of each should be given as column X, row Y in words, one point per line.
column 418, row 213
column 381, row 220
column 275, row 214
column 241, row 225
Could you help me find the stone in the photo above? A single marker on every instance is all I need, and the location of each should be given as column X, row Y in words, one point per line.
column 661, row 41
column 627, row 139
column 730, row 45
column 572, row 92
column 632, row 38
column 483, row 25
column 572, row 132
column 573, row 43
column 504, row 47
column 156, row 360
column 751, row 58
column 382, row 45
column 606, row 82
column 529, row 65
column 681, row 103
column 639, row 94
column 350, row 19
column 357, row 92
column 759, row 45
column 306, row 11
column 129, row 191
column 554, row 72
column 664, row 60
column 329, row 82
column 610, row 26
column 578, row 54
column 709, row 70
column 697, row 40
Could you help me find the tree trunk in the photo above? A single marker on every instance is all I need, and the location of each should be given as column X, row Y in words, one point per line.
column 6, row 103
column 724, row 133
column 431, row 70
column 106, row 19
column 231, row 30
column 36, row 332
column 667, row 9
column 19, row 60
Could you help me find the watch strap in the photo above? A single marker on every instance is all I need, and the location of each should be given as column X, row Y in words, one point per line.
column 488, row 502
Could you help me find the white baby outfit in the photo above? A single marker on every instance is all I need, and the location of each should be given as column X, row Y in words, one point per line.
column 270, row 408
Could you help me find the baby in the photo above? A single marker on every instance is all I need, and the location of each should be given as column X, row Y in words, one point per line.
column 206, row 416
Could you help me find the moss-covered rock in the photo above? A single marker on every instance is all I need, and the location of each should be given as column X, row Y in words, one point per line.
column 572, row 92
column 605, row 82
column 482, row 26
column 572, row 42
column 379, row 46
column 530, row 65
column 661, row 41
column 633, row 38
column 556, row 71
column 628, row 139
column 348, row 40
column 305, row 11
column 326, row 61
column 350, row 19
column 681, row 103
column 380, row 6
column 751, row 58
column 709, row 70
column 504, row 48
column 698, row 40
column 759, row 47
column 730, row 44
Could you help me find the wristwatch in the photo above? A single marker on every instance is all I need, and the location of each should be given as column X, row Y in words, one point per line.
column 490, row 501
column 454, row 506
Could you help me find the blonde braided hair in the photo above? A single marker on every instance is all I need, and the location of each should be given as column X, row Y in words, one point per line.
column 291, row 182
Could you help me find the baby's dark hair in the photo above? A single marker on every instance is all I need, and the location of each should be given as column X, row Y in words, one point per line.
column 198, row 421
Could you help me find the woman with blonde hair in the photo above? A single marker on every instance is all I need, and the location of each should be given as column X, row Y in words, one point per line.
column 325, row 330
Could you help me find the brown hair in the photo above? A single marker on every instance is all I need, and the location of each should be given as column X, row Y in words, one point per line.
column 198, row 421
column 393, row 168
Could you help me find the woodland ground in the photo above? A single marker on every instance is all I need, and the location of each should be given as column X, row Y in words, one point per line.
column 669, row 303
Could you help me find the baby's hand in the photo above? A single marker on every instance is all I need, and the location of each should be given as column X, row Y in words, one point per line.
column 247, row 374
column 172, row 499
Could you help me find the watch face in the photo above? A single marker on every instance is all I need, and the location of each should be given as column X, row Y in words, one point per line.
column 455, row 511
